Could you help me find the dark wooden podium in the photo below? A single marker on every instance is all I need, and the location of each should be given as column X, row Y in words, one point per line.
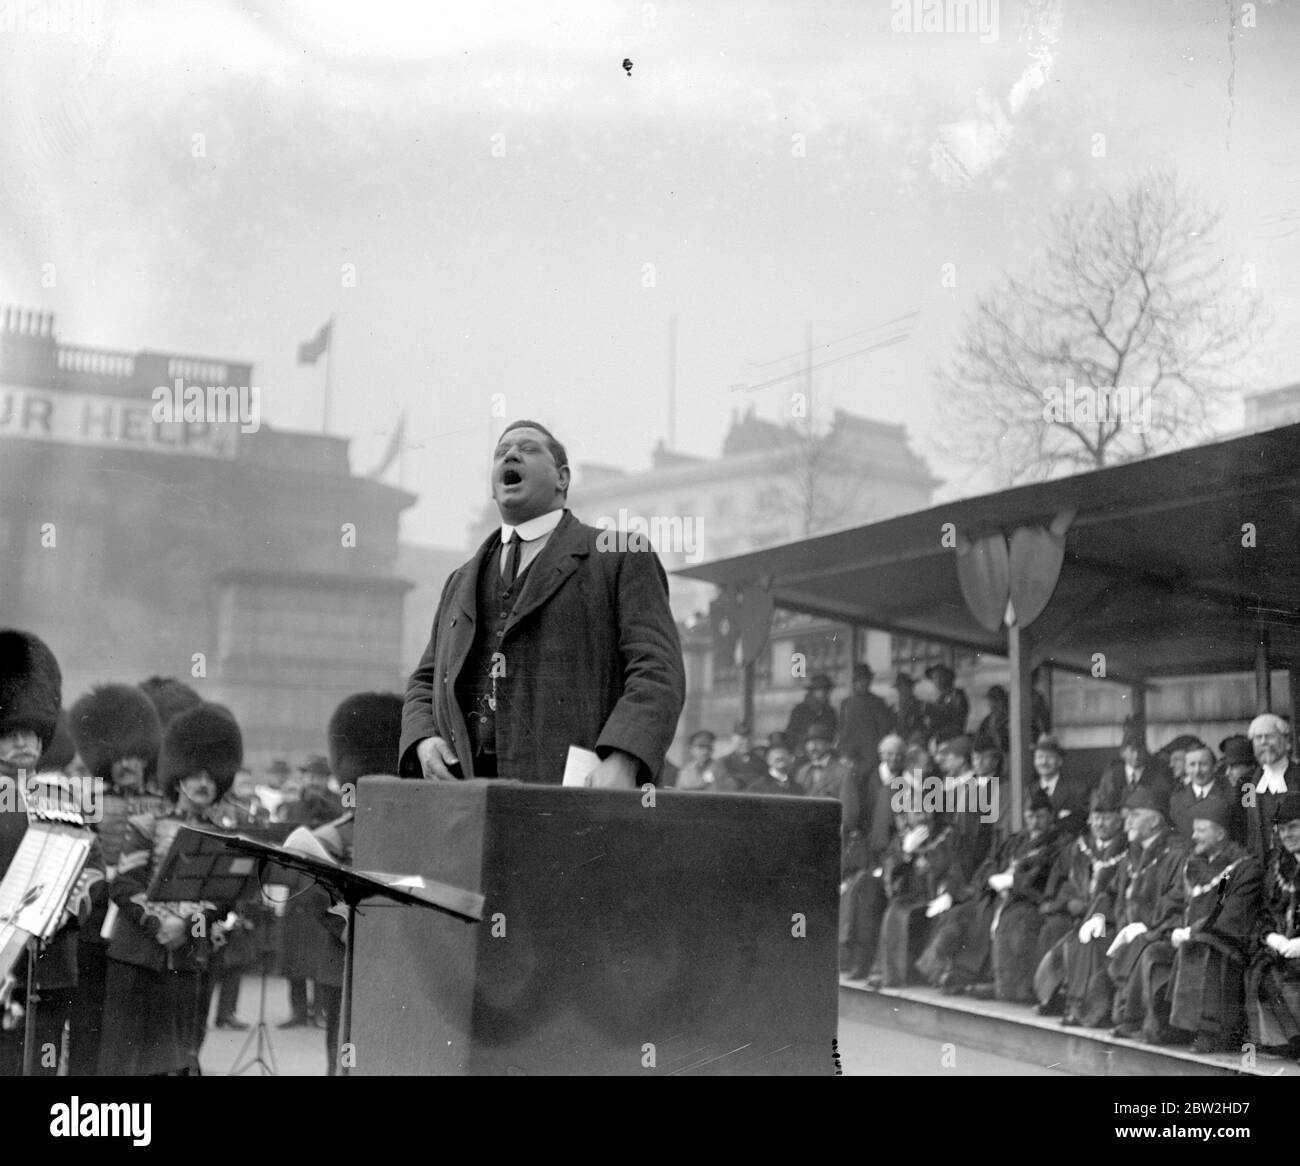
column 695, row 936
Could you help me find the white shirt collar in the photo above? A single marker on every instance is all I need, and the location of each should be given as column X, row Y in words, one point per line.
column 1049, row 785
column 533, row 528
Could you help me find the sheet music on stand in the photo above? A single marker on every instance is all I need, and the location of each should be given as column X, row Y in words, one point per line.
column 41, row 876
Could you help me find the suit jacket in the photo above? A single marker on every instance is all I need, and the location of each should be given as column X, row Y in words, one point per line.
column 864, row 722
column 592, row 659
column 1069, row 805
column 1259, row 817
column 1182, row 810
column 1154, row 776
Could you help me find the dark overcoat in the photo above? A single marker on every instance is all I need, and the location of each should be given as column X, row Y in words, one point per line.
column 592, row 658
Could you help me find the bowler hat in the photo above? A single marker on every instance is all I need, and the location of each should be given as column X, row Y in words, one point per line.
column 1237, row 750
column 1048, row 741
column 821, row 680
column 1145, row 797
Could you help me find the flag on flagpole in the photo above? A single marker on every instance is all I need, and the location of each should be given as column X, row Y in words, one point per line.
column 391, row 450
column 310, row 351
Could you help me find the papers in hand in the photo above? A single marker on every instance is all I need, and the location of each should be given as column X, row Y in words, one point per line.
column 578, row 765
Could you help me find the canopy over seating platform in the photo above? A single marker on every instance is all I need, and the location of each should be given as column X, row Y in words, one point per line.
column 1175, row 565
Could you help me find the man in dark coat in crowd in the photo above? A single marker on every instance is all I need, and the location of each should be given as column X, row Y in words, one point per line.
column 31, row 697
column 1068, row 799
column 912, row 717
column 1071, row 977
column 744, row 765
column 865, row 720
column 823, row 775
column 987, row 945
column 1275, row 777
column 118, row 735
column 1193, row 980
column 1134, row 767
column 1198, row 765
column 950, row 710
column 814, row 709
column 555, row 634
column 871, row 830
column 1142, row 908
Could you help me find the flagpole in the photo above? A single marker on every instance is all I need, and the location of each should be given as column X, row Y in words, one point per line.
column 329, row 371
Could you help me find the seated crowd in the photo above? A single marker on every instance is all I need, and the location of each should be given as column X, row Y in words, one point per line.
column 1159, row 904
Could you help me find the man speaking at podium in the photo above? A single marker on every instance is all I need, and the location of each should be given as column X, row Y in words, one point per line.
column 545, row 640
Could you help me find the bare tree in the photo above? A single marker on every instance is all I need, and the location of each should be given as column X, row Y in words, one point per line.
column 1123, row 343
column 812, row 483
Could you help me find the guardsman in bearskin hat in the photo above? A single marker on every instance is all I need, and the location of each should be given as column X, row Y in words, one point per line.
column 118, row 735
column 155, row 1001
column 364, row 734
column 30, row 700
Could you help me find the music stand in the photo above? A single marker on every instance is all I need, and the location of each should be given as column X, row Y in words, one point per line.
column 197, row 871
column 343, row 885
column 35, row 889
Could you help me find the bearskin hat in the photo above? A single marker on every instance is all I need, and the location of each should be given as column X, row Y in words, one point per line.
column 113, row 722
column 31, row 685
column 203, row 737
column 169, row 696
column 62, row 748
column 364, row 735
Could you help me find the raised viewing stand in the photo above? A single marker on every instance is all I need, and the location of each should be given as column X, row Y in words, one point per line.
column 1013, row 1030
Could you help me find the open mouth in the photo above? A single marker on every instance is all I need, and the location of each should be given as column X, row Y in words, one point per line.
column 511, row 478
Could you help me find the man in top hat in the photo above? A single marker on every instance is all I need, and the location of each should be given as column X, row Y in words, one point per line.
column 1199, row 766
column 865, row 719
column 555, row 634
column 744, row 765
column 698, row 772
column 1273, row 981
column 30, row 703
column 118, row 734
column 1141, row 908
column 814, row 709
column 155, row 1007
column 1193, row 980
column 1134, row 767
column 950, row 710
column 1275, row 777
column 1068, row 799
column 1072, row 977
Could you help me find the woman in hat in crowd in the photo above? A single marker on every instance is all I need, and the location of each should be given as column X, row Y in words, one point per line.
column 153, row 1012
column 118, row 734
column 30, row 705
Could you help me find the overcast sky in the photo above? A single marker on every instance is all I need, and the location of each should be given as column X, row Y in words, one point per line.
column 367, row 133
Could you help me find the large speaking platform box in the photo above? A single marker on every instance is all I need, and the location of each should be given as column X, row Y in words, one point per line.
column 623, row 932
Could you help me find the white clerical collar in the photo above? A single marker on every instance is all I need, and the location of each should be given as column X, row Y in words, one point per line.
column 533, row 528
column 1272, row 780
